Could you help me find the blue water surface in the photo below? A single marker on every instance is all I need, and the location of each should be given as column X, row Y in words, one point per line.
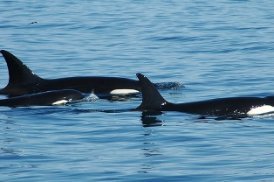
column 214, row 48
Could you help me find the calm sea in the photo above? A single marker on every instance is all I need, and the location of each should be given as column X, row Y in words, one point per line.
column 214, row 48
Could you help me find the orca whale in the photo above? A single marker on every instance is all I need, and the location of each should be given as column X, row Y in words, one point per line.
column 233, row 107
column 23, row 81
column 55, row 97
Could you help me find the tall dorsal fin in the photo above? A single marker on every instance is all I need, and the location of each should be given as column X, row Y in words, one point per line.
column 18, row 72
column 152, row 99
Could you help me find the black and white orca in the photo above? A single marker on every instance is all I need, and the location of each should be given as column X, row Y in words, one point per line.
column 23, row 81
column 48, row 98
column 233, row 107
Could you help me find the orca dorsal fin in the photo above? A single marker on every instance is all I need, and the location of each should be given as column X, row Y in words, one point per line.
column 18, row 72
column 152, row 99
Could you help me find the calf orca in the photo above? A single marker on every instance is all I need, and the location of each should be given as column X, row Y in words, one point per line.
column 56, row 97
column 233, row 107
column 23, row 81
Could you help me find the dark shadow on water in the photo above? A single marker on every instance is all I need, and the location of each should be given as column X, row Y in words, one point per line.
column 149, row 118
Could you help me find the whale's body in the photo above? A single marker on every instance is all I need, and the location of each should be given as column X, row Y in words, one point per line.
column 231, row 107
column 56, row 97
column 23, row 81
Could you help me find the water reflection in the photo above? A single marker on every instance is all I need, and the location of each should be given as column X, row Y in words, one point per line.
column 150, row 119
column 7, row 140
column 150, row 149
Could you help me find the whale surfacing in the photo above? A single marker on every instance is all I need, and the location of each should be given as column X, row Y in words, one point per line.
column 22, row 81
column 231, row 107
column 48, row 98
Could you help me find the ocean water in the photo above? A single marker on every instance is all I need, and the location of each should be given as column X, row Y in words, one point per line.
column 214, row 48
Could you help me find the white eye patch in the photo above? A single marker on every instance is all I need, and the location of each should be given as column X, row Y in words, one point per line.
column 123, row 91
column 260, row 110
column 60, row 102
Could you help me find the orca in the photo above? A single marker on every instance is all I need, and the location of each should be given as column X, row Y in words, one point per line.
column 23, row 81
column 231, row 107
column 48, row 98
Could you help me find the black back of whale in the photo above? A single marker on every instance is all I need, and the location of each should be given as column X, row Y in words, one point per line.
column 23, row 81
column 43, row 98
column 234, row 107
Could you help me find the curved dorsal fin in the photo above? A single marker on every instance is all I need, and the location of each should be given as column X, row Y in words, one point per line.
column 152, row 99
column 18, row 72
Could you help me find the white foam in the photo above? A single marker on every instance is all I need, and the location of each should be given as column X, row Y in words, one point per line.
column 92, row 96
column 124, row 91
column 60, row 102
column 260, row 110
